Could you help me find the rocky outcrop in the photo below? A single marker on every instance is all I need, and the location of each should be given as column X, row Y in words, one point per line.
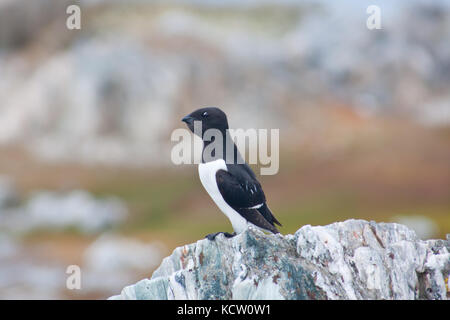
column 354, row 259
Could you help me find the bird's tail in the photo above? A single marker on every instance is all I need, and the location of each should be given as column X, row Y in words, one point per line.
column 268, row 215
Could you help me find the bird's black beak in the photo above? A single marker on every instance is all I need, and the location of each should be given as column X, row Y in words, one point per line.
column 188, row 119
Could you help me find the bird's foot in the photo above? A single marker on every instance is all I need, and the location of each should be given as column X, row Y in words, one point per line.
column 212, row 236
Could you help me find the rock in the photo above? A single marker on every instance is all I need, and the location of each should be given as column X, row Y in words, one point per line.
column 30, row 273
column 8, row 193
column 354, row 259
column 75, row 208
column 27, row 274
column 118, row 261
column 59, row 210
column 111, row 252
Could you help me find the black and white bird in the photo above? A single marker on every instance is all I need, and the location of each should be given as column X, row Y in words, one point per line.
column 231, row 184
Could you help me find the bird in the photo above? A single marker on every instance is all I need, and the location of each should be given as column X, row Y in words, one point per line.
column 230, row 181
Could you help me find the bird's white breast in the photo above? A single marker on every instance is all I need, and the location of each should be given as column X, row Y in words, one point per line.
column 207, row 172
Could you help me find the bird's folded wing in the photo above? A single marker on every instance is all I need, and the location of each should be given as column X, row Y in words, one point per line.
column 239, row 194
column 245, row 197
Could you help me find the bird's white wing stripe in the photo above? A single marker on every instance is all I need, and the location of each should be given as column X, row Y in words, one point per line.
column 257, row 206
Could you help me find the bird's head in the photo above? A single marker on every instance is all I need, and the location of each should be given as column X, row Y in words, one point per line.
column 211, row 118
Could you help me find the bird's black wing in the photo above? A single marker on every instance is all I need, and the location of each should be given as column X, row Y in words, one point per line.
column 247, row 198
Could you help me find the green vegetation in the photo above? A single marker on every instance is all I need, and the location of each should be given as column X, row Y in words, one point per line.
column 176, row 207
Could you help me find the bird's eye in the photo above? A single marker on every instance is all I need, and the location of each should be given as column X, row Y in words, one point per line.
column 205, row 114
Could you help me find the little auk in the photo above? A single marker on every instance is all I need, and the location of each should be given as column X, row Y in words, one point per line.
column 231, row 183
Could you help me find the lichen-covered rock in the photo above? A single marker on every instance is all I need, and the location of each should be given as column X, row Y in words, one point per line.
column 354, row 259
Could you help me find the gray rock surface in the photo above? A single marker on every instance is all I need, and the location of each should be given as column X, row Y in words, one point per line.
column 59, row 210
column 354, row 259
column 8, row 193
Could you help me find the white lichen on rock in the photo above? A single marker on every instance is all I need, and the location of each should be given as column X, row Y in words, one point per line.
column 354, row 259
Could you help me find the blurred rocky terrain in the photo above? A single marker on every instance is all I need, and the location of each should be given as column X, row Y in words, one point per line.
column 354, row 259
column 36, row 270
column 113, row 91
column 32, row 272
column 86, row 118
column 57, row 210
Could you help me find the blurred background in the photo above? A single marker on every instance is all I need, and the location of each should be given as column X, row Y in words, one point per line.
column 86, row 117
